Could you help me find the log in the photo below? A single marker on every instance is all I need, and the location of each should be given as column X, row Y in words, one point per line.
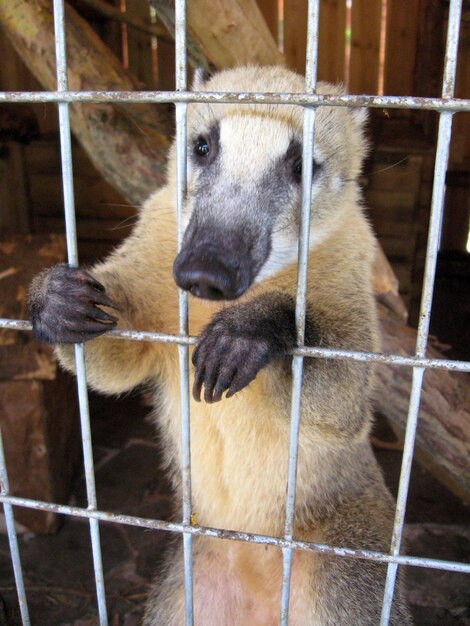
column 443, row 434
column 386, row 285
column 126, row 143
column 236, row 35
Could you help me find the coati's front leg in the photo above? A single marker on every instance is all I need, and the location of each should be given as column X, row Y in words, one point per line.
column 65, row 308
column 244, row 338
column 64, row 305
column 239, row 342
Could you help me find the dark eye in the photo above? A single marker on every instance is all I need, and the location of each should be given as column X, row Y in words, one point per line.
column 201, row 147
column 297, row 169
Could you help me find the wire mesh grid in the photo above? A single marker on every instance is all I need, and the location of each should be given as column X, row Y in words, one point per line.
column 446, row 106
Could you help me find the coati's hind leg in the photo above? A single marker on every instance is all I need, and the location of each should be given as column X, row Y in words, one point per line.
column 165, row 604
column 351, row 590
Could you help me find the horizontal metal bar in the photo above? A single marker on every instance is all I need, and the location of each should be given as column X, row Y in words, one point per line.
column 320, row 353
column 233, row 535
column 214, row 97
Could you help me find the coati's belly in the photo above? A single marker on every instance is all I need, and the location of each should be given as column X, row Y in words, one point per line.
column 237, row 584
column 239, row 457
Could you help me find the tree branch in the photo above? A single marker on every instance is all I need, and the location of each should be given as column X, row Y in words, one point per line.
column 443, row 434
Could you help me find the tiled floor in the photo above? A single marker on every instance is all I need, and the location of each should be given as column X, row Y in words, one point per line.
column 58, row 569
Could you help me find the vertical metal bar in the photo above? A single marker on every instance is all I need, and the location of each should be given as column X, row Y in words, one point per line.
column 301, row 299
column 71, row 234
column 437, row 205
column 90, row 481
column 183, row 350
column 12, row 538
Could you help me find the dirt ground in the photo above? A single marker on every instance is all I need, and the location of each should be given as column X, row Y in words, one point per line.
column 59, row 572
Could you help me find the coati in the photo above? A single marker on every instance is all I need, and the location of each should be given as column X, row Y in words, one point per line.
column 238, row 262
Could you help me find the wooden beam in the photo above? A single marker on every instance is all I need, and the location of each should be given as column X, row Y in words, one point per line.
column 137, row 23
column 365, row 44
column 236, row 35
column 127, row 144
column 443, row 434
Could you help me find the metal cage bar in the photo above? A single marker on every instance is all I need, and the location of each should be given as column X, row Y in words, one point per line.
column 305, row 351
column 233, row 535
column 437, row 208
column 301, row 300
column 183, row 349
column 12, row 537
column 446, row 106
column 215, row 97
column 71, row 235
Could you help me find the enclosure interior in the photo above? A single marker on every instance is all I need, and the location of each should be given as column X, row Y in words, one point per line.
column 381, row 47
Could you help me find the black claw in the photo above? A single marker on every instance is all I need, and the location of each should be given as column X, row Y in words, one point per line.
column 100, row 315
column 238, row 383
column 96, row 285
column 210, row 380
column 197, row 386
column 223, row 384
column 195, row 354
column 103, row 299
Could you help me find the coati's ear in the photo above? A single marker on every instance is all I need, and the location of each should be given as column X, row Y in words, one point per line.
column 359, row 116
column 200, row 78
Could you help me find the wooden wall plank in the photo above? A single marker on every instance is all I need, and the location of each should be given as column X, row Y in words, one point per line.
column 460, row 144
column 295, row 34
column 365, row 43
column 401, row 49
column 139, row 45
column 269, row 9
column 331, row 38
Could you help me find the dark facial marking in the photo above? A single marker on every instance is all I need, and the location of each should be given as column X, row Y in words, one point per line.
column 291, row 163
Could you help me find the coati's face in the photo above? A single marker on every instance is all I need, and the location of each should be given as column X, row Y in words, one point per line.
column 242, row 210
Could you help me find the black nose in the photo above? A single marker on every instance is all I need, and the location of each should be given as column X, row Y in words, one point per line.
column 209, row 273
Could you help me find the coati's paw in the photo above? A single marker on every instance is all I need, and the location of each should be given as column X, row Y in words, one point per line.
column 64, row 306
column 227, row 358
